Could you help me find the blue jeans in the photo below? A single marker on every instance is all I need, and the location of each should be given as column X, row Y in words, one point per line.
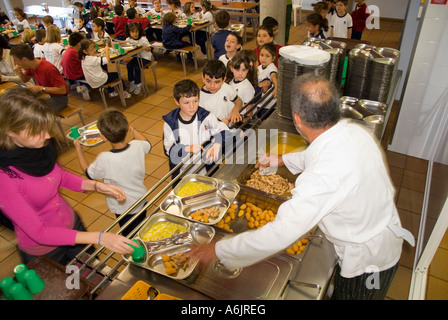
column 134, row 71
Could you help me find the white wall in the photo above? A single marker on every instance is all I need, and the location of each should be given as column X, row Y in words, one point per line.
column 395, row 9
column 421, row 106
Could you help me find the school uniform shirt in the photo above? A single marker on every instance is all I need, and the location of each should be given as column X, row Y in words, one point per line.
column 53, row 53
column 224, row 59
column 140, row 10
column 265, row 73
column 345, row 189
column 71, row 65
column 119, row 25
column 143, row 41
column 97, row 38
column 341, row 25
column 320, row 35
column 155, row 13
column 94, row 74
column 109, row 166
column 244, row 89
column 209, row 17
column 220, row 103
column 24, row 23
column 178, row 133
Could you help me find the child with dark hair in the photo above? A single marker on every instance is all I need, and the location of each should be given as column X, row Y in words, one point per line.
column 172, row 35
column 217, row 96
column 135, row 36
column 266, row 35
column 114, row 128
column 119, row 21
column 272, row 24
column 98, row 28
column 20, row 21
column 134, row 16
column 232, row 45
column 190, row 128
column 267, row 72
column 316, row 25
column 219, row 38
column 39, row 36
column 174, row 6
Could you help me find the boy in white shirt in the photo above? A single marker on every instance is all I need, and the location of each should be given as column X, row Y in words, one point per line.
column 156, row 9
column 40, row 41
column 232, row 45
column 217, row 96
column 132, row 4
column 341, row 22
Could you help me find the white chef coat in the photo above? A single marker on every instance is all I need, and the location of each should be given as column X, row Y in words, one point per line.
column 345, row 189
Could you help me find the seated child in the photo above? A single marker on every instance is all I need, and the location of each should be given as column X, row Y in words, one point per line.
column 120, row 21
column 135, row 6
column 71, row 65
column 206, row 14
column 94, row 67
column 134, row 16
column 174, row 6
column 114, row 127
column 242, row 77
column 316, row 26
column 233, row 45
column 79, row 27
column 219, row 38
column 341, row 22
column 48, row 21
column 39, row 37
column 99, row 33
column 135, row 36
column 189, row 127
column 20, row 22
column 156, row 9
column 172, row 35
column 189, row 11
column 266, row 35
column 28, row 36
column 52, row 49
column 217, row 96
column 155, row 34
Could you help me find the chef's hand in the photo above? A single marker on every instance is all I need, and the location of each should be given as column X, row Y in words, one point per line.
column 116, row 243
column 268, row 160
column 205, row 253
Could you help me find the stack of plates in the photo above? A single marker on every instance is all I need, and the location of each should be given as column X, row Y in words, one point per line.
column 295, row 61
column 370, row 72
column 337, row 51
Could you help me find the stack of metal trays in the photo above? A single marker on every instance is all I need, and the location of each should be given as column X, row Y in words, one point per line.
column 337, row 50
column 370, row 114
column 288, row 70
column 370, row 72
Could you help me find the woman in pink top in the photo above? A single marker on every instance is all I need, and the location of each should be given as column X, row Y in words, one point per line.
column 30, row 180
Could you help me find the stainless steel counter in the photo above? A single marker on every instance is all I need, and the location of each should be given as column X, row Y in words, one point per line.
column 289, row 278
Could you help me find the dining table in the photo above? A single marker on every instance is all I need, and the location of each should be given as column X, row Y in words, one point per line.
column 9, row 84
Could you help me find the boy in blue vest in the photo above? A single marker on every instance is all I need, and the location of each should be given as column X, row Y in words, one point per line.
column 190, row 129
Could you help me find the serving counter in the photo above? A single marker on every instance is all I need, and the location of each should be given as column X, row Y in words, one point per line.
column 280, row 277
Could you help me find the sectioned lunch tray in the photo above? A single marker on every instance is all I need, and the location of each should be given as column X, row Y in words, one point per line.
column 88, row 132
column 221, row 196
column 195, row 234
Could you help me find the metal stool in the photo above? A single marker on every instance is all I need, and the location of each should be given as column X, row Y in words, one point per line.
column 151, row 65
column 116, row 83
column 66, row 113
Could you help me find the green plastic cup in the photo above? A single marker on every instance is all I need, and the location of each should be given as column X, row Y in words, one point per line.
column 19, row 272
column 74, row 133
column 14, row 34
column 117, row 46
column 189, row 21
column 149, row 16
column 5, row 285
column 19, row 292
column 65, row 41
column 139, row 252
column 122, row 51
column 111, row 14
column 34, row 282
column 158, row 17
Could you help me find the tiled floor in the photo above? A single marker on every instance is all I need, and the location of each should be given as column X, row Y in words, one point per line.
column 144, row 113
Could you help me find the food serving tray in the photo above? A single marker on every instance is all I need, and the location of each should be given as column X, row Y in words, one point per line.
column 221, row 196
column 195, row 234
column 89, row 135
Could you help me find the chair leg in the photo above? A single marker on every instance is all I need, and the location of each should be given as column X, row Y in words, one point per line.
column 121, row 94
column 62, row 132
column 103, row 96
column 81, row 118
column 155, row 76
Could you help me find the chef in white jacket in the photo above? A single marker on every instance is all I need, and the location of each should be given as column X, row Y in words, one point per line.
column 344, row 188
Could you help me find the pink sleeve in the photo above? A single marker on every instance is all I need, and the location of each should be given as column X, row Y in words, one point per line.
column 70, row 181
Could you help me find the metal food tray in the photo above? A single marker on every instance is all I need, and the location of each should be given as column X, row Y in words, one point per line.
column 87, row 132
column 221, row 196
column 196, row 234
